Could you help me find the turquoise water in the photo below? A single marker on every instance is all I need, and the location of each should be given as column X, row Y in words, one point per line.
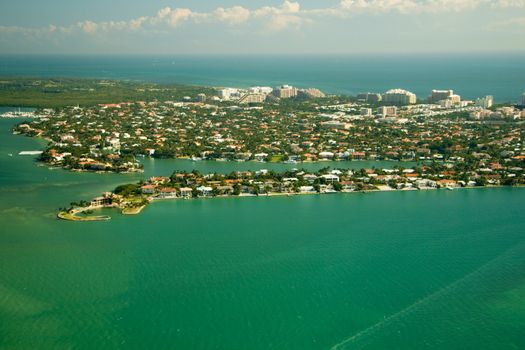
column 403, row 270
column 470, row 75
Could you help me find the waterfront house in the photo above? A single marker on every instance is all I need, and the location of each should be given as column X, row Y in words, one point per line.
column 105, row 200
column 326, row 155
column 307, row 189
column 167, row 192
column 348, row 186
column 148, row 189
column 425, row 184
column 225, row 190
column 159, row 180
column 205, row 191
column 310, row 178
column 260, row 156
column 330, row 178
column 447, row 183
column 358, row 155
column 310, row 157
column 186, row 192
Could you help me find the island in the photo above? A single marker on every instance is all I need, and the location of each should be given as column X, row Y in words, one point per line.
column 132, row 198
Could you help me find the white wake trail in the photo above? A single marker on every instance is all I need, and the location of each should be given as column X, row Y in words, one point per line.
column 375, row 327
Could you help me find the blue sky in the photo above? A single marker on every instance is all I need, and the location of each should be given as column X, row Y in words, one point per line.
column 261, row 26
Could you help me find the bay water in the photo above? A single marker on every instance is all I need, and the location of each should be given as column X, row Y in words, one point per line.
column 400, row 270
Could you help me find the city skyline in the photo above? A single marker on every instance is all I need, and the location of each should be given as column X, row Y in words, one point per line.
column 257, row 27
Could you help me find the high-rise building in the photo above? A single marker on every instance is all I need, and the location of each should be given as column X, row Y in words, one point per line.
column 370, row 97
column 444, row 95
column 523, row 99
column 253, row 98
column 399, row 97
column 261, row 90
column 440, row 95
column 485, row 102
column 201, row 98
column 366, row 112
column 387, row 111
column 285, row 91
column 311, row 93
column 228, row 93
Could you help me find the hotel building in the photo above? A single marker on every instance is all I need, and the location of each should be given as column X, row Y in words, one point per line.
column 399, row 97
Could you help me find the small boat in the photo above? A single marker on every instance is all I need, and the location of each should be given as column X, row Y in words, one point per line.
column 450, row 188
column 10, row 154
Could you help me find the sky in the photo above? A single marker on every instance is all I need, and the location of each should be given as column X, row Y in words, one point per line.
column 258, row 27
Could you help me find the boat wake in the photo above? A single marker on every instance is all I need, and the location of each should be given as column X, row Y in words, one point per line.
column 467, row 279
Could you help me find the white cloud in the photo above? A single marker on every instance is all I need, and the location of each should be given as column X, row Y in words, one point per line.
column 179, row 15
column 509, row 3
column 136, row 24
column 409, row 6
column 289, row 14
column 232, row 15
column 275, row 18
column 88, row 26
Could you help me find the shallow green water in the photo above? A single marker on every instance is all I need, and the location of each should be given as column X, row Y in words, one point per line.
column 411, row 270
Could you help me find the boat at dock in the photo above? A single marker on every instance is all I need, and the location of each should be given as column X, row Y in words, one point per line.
column 18, row 114
column 29, row 153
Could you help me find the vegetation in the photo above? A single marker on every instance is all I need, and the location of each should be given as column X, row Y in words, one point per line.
column 61, row 92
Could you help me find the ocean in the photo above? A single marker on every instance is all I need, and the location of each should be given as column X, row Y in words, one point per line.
column 471, row 76
column 401, row 270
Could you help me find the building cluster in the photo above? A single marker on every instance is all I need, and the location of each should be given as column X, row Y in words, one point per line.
column 393, row 96
column 448, row 175
column 260, row 94
column 500, row 113
column 113, row 137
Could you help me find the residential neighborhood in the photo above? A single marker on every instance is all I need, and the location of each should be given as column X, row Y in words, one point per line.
column 113, row 137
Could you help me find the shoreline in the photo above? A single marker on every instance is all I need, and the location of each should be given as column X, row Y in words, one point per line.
column 72, row 216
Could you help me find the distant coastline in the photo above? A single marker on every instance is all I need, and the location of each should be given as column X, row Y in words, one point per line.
column 334, row 74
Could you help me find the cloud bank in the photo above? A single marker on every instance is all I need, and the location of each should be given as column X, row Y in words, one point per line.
column 289, row 14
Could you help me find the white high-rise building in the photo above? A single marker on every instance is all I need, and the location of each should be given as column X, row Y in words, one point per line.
column 311, row 92
column 440, row 95
column 444, row 95
column 366, row 112
column 387, row 111
column 370, row 97
column 399, row 96
column 227, row 93
column 285, row 91
column 253, row 98
column 485, row 102
column 261, row 90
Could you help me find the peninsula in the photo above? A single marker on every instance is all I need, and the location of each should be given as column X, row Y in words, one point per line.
column 132, row 198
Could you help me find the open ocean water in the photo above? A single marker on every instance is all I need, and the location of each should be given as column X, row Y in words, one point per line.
column 401, row 270
column 471, row 76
